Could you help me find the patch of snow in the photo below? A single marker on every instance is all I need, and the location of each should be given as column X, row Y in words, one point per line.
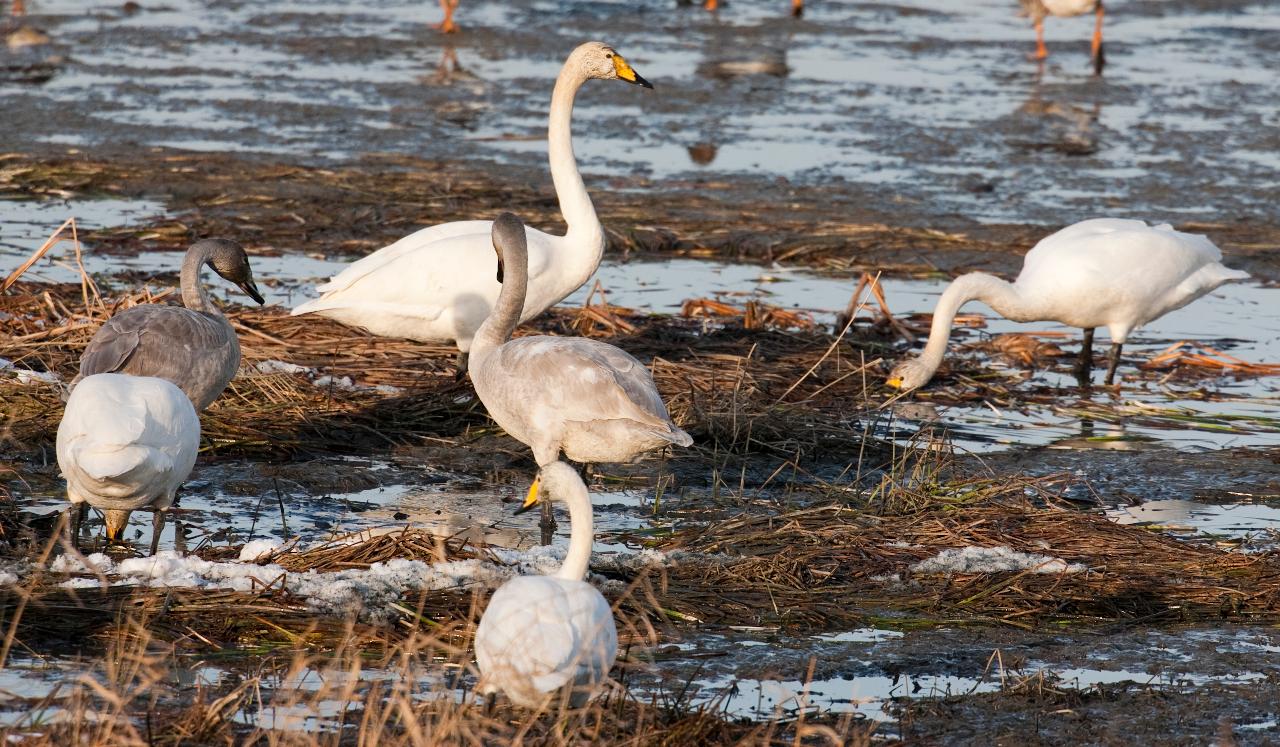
column 993, row 560
column 275, row 367
column 370, row 592
column 337, row 382
column 8, row 579
column 258, row 548
column 27, row 376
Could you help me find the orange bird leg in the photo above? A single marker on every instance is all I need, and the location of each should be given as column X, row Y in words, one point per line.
column 447, row 26
column 1099, row 58
column 1041, row 51
column 710, row 5
column 797, row 8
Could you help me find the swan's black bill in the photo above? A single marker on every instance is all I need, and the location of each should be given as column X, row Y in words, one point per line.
column 248, row 286
column 499, row 275
column 531, row 499
column 640, row 81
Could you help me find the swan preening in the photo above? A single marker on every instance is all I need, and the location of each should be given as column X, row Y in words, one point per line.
column 542, row 636
column 585, row 398
column 1106, row 272
column 126, row 443
column 1038, row 10
column 194, row 347
column 438, row 284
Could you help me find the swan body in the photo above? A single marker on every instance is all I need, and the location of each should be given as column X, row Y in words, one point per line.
column 193, row 346
column 438, row 284
column 1107, row 272
column 126, row 443
column 586, row 398
column 541, row 636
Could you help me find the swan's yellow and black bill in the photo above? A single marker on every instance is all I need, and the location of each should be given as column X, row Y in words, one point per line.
column 625, row 72
column 250, row 287
column 531, row 499
column 895, row 382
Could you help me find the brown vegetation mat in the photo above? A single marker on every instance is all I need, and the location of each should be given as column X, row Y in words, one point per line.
column 738, row 389
column 834, row 567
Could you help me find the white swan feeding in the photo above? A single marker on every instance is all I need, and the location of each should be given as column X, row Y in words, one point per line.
column 583, row 397
column 1106, row 272
column 126, row 443
column 543, row 636
column 438, row 284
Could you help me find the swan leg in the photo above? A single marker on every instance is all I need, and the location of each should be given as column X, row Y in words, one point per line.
column 797, row 8
column 1041, row 50
column 447, row 26
column 490, row 704
column 710, row 5
column 78, row 513
column 1084, row 365
column 461, row 363
column 548, row 523
column 1096, row 53
column 1113, row 360
column 157, row 526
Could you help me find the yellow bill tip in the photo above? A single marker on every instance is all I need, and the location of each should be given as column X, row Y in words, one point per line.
column 531, row 499
column 895, row 382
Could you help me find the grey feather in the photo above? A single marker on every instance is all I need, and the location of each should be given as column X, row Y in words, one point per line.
column 197, row 351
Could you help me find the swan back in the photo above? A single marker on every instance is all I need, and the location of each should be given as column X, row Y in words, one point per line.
column 541, row 634
column 1119, row 273
column 126, row 442
column 197, row 351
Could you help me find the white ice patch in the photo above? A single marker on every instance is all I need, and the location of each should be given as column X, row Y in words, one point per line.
column 276, row 367
column 368, row 591
column 26, row 375
column 993, row 560
column 258, row 548
column 323, row 381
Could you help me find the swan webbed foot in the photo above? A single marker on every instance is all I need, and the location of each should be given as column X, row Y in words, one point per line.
column 1084, row 365
column 1113, row 361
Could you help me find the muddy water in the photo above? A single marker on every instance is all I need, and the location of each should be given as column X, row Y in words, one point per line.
column 929, row 109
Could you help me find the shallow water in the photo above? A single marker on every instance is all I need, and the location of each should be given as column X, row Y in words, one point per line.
column 934, row 101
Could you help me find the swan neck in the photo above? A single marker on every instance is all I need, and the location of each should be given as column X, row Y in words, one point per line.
column 581, row 532
column 505, row 316
column 1000, row 295
column 575, row 204
column 194, row 295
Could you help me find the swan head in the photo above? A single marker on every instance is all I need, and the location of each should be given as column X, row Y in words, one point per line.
column 910, row 374
column 228, row 259
column 553, row 483
column 508, row 236
column 599, row 60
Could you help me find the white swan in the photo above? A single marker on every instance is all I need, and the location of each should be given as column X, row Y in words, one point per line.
column 584, row 397
column 1106, row 272
column 1037, row 10
column 542, row 634
column 126, row 443
column 437, row 284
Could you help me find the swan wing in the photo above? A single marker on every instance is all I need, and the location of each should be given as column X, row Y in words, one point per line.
column 198, row 352
column 421, row 240
column 581, row 379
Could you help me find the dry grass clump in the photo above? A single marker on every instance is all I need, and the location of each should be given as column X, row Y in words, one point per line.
column 745, row 389
column 836, row 567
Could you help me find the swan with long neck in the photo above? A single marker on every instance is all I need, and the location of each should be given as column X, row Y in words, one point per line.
column 193, row 346
column 542, row 636
column 438, row 284
column 585, row 398
column 1107, row 272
